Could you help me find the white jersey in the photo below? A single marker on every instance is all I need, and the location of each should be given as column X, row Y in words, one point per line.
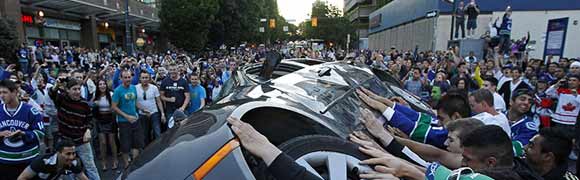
column 567, row 109
column 498, row 102
column 498, row 120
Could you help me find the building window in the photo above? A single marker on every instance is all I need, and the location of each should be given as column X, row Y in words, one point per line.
column 32, row 32
column 103, row 38
column 74, row 35
column 50, row 33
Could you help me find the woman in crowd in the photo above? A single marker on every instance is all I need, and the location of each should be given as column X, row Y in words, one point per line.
column 106, row 124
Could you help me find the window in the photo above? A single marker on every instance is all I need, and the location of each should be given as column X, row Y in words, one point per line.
column 74, row 35
column 32, row 32
column 50, row 33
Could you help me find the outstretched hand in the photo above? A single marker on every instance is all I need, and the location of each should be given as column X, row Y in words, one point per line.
column 370, row 101
column 253, row 141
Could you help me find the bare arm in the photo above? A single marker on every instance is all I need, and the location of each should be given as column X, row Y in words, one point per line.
column 82, row 176
column 432, row 153
column 165, row 98
column 185, row 102
column 115, row 108
column 28, row 173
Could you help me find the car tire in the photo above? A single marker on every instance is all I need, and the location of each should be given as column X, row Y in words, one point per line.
column 303, row 146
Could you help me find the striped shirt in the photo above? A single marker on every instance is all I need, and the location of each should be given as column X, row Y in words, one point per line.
column 74, row 117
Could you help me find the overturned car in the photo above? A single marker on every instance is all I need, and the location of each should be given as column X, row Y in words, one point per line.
column 305, row 107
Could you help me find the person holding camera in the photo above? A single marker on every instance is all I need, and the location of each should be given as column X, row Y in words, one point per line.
column 472, row 11
column 566, row 91
column 21, row 131
column 74, row 120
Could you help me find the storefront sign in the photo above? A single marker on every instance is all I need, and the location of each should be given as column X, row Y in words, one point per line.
column 27, row 19
column 556, row 37
column 62, row 24
column 376, row 21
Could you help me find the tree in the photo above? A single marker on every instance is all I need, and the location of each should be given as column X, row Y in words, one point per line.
column 332, row 27
column 187, row 23
column 8, row 40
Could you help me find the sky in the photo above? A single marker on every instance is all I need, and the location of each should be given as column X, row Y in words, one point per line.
column 299, row 9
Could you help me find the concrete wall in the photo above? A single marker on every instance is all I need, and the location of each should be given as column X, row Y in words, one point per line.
column 444, row 29
column 406, row 36
column 536, row 23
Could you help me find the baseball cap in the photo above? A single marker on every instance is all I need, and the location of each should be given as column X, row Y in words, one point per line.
column 522, row 91
column 435, row 171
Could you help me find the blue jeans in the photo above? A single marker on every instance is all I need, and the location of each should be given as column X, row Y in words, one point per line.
column 85, row 153
column 151, row 123
column 24, row 67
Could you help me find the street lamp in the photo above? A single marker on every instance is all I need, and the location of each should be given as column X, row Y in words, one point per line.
column 143, row 30
column 106, row 24
column 41, row 13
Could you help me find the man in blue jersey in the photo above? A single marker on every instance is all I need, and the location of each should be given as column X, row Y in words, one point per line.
column 420, row 127
column 523, row 125
column 21, row 130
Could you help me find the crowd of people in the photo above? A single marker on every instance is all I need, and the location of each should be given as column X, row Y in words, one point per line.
column 104, row 102
column 500, row 116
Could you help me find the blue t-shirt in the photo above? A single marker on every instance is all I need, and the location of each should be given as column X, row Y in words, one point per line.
column 126, row 99
column 196, row 94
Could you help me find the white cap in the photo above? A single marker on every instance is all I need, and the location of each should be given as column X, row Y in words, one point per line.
column 575, row 64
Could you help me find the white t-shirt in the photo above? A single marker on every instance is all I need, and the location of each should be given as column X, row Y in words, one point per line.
column 149, row 103
column 499, row 120
column 498, row 102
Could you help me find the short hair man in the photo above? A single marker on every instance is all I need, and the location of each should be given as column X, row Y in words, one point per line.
column 490, row 83
column 523, row 125
column 481, row 103
column 416, row 124
column 547, row 153
column 52, row 166
column 21, row 130
column 125, row 105
column 489, row 147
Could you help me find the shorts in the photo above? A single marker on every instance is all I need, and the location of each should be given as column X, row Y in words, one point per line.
column 131, row 136
column 471, row 23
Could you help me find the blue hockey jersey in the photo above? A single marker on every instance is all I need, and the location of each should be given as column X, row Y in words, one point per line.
column 25, row 149
column 419, row 126
column 522, row 131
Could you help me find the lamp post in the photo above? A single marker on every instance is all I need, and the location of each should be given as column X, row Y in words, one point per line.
column 128, row 39
column 453, row 19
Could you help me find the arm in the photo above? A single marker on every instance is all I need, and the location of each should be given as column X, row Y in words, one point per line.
column 116, row 80
column 36, row 131
column 82, row 176
column 185, row 102
column 432, row 153
column 419, row 129
column 28, row 173
column 165, row 98
column 160, row 107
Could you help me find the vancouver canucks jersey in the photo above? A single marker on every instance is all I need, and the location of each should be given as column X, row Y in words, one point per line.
column 420, row 127
column 522, row 131
column 25, row 148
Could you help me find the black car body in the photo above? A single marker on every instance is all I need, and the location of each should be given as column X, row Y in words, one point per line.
column 302, row 98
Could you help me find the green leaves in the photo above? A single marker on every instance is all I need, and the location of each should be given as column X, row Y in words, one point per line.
column 332, row 25
column 186, row 23
column 8, row 40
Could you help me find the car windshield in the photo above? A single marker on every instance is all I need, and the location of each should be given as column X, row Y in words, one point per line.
column 347, row 110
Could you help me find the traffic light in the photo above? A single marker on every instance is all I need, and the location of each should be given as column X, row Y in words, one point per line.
column 314, row 22
column 272, row 23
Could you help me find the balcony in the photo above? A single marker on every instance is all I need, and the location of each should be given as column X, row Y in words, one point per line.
column 350, row 4
column 360, row 12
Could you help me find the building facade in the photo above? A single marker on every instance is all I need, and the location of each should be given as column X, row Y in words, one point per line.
column 357, row 12
column 89, row 24
column 407, row 24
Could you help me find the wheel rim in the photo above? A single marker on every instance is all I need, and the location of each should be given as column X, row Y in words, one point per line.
column 335, row 165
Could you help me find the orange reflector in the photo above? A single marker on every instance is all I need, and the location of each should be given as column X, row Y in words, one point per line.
column 213, row 161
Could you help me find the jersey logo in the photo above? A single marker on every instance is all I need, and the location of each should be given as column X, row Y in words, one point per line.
column 569, row 107
column 14, row 144
column 34, row 111
column 532, row 125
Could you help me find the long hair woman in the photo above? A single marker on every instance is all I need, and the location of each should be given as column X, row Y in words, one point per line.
column 106, row 125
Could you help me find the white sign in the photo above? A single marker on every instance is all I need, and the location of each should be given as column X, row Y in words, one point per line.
column 555, row 40
column 285, row 28
column 62, row 24
column 262, row 29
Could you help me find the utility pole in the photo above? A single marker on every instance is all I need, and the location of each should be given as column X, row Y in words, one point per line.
column 128, row 39
column 453, row 19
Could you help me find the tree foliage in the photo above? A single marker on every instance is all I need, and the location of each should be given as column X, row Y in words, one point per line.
column 8, row 39
column 187, row 23
column 332, row 27
column 196, row 24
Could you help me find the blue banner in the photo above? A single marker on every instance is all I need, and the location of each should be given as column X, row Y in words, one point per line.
column 556, row 37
